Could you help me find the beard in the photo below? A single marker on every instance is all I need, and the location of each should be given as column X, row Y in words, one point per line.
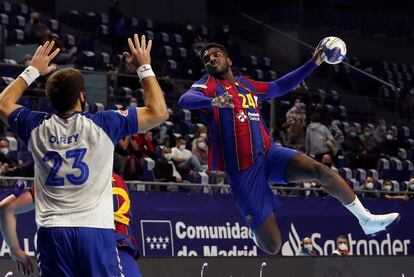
column 218, row 72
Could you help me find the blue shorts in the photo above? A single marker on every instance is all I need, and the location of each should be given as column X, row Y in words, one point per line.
column 251, row 186
column 77, row 251
column 129, row 263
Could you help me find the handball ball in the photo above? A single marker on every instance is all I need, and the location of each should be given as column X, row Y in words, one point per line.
column 334, row 50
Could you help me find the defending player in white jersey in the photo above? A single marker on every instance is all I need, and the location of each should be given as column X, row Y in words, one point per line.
column 73, row 154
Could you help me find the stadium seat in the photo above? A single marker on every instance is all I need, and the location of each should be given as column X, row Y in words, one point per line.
column 257, row 74
column 20, row 9
column 18, row 22
column 86, row 58
column 5, row 7
column 353, row 183
column 404, row 186
column 90, row 21
column 69, row 40
column 408, row 170
column 360, row 174
column 342, row 162
column 346, row 173
column 163, row 37
column 4, row 20
column 171, row 68
column 73, row 18
column 13, row 145
column 103, row 60
column 146, row 24
column 396, row 167
column 103, row 34
column 176, row 40
column 53, row 25
column 384, row 169
column 373, row 173
column 180, row 53
column 270, row 75
column 148, row 165
column 265, row 63
column 86, row 43
column 102, row 18
column 15, row 36
column 395, row 186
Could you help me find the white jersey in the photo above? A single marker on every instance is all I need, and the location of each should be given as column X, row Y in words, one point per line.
column 73, row 164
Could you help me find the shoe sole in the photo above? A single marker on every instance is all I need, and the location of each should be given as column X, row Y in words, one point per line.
column 388, row 227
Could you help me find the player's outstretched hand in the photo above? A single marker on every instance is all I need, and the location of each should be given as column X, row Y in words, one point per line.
column 140, row 51
column 318, row 54
column 42, row 57
column 23, row 262
column 223, row 101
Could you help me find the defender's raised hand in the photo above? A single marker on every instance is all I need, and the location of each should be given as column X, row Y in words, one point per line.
column 318, row 54
column 140, row 51
column 42, row 57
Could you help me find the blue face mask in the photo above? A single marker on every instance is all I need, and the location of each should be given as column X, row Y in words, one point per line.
column 133, row 104
column 353, row 134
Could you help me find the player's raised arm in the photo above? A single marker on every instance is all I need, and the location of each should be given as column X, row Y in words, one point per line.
column 155, row 111
column 289, row 81
column 21, row 204
column 39, row 65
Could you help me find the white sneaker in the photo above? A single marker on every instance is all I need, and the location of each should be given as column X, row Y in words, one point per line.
column 379, row 223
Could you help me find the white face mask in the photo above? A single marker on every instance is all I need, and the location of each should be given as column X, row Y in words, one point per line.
column 203, row 135
column 387, row 188
column 369, row 185
column 182, row 147
column 201, row 145
column 308, row 247
column 389, row 137
column 343, row 246
column 411, row 186
column 307, row 185
column 5, row 151
column 168, row 156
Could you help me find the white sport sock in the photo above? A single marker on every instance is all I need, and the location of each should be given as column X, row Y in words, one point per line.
column 359, row 210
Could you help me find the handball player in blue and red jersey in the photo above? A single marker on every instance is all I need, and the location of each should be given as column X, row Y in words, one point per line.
column 240, row 145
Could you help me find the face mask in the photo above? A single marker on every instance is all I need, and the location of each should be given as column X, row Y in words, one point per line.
column 353, row 134
column 133, row 104
column 203, row 135
column 389, row 137
column 308, row 247
column 5, row 151
column 369, row 185
column 343, row 246
column 367, row 134
column 383, row 128
column 202, row 145
column 298, row 105
column 181, row 147
column 168, row 156
column 387, row 188
column 307, row 185
column 411, row 186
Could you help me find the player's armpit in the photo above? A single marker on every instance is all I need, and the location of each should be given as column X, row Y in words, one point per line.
column 148, row 118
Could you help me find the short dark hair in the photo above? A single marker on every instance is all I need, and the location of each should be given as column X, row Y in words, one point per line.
column 315, row 117
column 213, row 45
column 63, row 88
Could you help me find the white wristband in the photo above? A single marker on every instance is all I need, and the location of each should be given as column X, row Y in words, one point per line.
column 30, row 74
column 145, row 71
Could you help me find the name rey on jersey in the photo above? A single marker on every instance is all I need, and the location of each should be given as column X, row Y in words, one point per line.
column 64, row 139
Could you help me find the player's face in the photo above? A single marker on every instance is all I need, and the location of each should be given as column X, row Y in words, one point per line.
column 216, row 62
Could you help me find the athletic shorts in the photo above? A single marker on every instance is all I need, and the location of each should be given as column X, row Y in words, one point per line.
column 77, row 251
column 251, row 186
column 129, row 263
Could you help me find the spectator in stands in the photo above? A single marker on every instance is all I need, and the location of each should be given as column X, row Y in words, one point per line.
column 342, row 246
column 318, row 137
column 353, row 148
column 296, row 114
column 389, row 146
column 5, row 151
column 184, row 159
column 369, row 184
column 380, row 131
column 338, row 136
column 367, row 139
column 307, row 248
column 410, row 187
column 165, row 169
column 64, row 56
column 144, row 145
column 327, row 160
column 35, row 30
column 126, row 149
column 200, row 150
column 27, row 59
column 387, row 186
column 279, row 136
column 295, row 137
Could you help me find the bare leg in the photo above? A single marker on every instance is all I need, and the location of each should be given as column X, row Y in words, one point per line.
column 268, row 236
column 303, row 168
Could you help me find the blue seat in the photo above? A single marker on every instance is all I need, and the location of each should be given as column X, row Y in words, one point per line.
column 24, row 156
column 103, row 34
column 396, row 167
column 408, row 170
column 360, row 174
column 69, row 40
column 343, row 162
column 148, row 165
column 103, row 60
column 86, row 59
column 53, row 25
column 20, row 9
column 373, row 173
column 176, row 39
column 5, row 7
column 353, row 183
column 384, row 169
column 90, row 21
column 345, row 172
column 86, row 43
column 18, row 22
column 15, row 36
column 4, row 20
column 270, row 75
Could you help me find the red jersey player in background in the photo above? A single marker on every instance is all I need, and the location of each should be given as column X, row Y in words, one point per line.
column 22, row 200
column 239, row 144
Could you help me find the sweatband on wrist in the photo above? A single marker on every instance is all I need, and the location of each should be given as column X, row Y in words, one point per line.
column 145, row 71
column 30, row 74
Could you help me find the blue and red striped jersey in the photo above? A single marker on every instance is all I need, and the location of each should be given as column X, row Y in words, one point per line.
column 238, row 135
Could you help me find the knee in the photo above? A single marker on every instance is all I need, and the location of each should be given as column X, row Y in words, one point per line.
column 271, row 246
